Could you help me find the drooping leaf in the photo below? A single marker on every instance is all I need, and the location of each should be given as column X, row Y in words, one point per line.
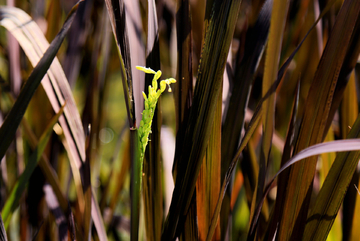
column 55, row 84
column 34, row 44
column 13, row 119
column 313, row 127
column 334, row 146
column 331, row 195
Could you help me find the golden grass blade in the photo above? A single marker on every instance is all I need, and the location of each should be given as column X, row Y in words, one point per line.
column 331, row 195
column 334, row 146
column 287, row 153
column 255, row 120
column 314, row 121
column 215, row 50
column 273, row 50
column 208, row 182
column 190, row 231
column 327, row 160
column 277, row 25
column 348, row 111
column 355, row 232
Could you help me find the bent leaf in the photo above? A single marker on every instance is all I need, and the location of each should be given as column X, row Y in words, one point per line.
column 15, row 23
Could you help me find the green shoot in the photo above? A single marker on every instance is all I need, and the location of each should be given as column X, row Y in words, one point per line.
column 150, row 105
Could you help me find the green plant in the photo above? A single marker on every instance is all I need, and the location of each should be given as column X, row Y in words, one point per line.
column 266, row 93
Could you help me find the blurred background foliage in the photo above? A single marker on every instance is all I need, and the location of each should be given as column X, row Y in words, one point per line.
column 250, row 95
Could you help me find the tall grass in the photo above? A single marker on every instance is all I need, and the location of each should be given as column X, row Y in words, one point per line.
column 259, row 140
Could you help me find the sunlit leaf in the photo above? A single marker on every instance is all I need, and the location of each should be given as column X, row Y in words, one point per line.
column 209, row 79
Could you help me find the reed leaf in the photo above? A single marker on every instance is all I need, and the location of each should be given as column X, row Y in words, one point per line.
column 13, row 119
column 207, row 89
column 327, row 205
column 208, row 182
column 13, row 200
column 313, row 127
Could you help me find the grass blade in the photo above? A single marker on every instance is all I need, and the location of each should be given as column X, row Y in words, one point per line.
column 244, row 74
column 312, row 130
column 135, row 186
column 13, row 119
column 277, row 25
column 208, row 182
column 60, row 218
column 183, row 90
column 349, row 109
column 3, row 236
column 13, row 200
column 255, row 120
column 334, row 146
column 117, row 14
column 216, row 46
column 33, row 42
column 97, row 218
column 331, row 195
column 137, row 50
column 116, row 11
column 288, row 147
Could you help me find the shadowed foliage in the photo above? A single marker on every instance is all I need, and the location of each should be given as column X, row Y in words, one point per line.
column 258, row 141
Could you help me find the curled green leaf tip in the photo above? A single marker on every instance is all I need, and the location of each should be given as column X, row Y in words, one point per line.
column 150, row 105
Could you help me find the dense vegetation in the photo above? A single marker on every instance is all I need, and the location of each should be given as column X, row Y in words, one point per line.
column 257, row 141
